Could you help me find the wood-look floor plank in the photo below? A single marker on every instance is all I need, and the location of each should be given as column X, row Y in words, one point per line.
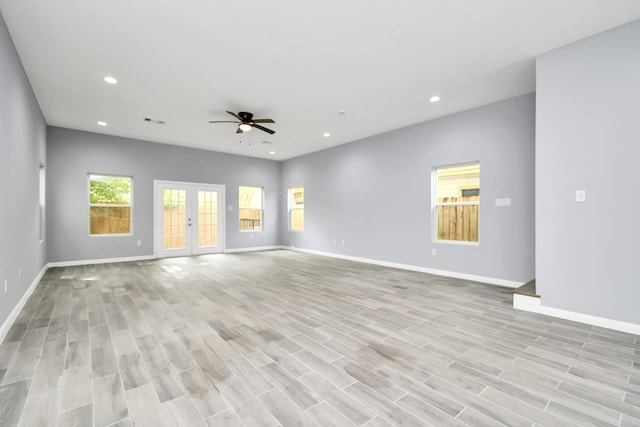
column 165, row 381
column 204, row 394
column 12, row 401
column 22, row 366
column 76, row 388
column 294, row 389
column 47, row 375
column 284, row 409
column 144, row 407
column 41, row 411
column 110, row 404
column 284, row 338
column 79, row 417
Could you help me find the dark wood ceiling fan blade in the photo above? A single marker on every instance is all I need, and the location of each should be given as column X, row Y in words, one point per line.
column 269, row 131
column 222, row 121
column 239, row 130
column 235, row 115
column 262, row 121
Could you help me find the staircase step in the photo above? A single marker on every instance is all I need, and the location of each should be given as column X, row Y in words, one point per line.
column 528, row 289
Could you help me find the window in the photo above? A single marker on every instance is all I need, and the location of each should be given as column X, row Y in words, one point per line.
column 110, row 204
column 456, row 191
column 250, row 202
column 296, row 208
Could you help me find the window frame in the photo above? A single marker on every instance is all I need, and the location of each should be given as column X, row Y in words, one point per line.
column 435, row 204
column 110, row 205
column 42, row 203
column 291, row 207
column 261, row 210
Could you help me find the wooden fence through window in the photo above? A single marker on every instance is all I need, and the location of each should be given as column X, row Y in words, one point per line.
column 109, row 220
column 458, row 222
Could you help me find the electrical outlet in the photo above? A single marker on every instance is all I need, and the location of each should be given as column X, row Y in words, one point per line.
column 6, row 286
column 434, row 252
column 139, row 243
column 252, row 237
column 335, row 241
column 343, row 242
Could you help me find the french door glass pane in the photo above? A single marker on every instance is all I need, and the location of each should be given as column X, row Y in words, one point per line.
column 207, row 218
column 175, row 230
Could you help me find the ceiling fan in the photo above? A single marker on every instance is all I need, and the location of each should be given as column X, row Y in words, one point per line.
column 246, row 122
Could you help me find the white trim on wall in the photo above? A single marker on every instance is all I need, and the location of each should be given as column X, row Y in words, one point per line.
column 534, row 305
column 463, row 276
column 520, row 302
column 101, row 261
column 254, row 249
column 150, row 257
column 18, row 308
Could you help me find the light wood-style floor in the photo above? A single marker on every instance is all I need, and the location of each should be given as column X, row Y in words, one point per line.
column 285, row 338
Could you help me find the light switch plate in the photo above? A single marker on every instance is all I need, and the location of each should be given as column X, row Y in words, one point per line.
column 503, row 202
column 581, row 195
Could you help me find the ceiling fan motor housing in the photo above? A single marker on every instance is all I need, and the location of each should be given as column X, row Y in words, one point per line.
column 246, row 117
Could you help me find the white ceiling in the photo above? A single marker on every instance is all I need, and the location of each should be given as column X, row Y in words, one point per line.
column 298, row 62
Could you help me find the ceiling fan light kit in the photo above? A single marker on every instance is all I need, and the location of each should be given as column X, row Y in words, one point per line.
column 246, row 122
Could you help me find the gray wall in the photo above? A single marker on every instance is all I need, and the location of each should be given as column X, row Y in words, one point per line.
column 22, row 150
column 375, row 194
column 73, row 154
column 588, row 138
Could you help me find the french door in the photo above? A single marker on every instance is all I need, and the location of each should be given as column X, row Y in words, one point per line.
column 188, row 218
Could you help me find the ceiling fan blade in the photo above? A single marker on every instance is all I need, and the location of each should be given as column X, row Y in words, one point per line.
column 239, row 130
column 235, row 115
column 269, row 131
column 262, row 121
column 222, row 121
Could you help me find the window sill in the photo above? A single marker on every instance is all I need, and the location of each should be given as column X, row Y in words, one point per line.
column 457, row 242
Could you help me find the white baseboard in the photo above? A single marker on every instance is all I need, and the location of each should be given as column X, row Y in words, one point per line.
column 453, row 274
column 526, row 303
column 147, row 257
column 253, row 249
column 101, row 261
column 587, row 319
column 18, row 308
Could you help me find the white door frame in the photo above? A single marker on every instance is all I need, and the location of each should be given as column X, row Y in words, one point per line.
column 158, row 218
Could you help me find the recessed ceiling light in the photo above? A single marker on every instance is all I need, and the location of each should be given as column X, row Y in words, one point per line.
column 434, row 98
column 101, row 123
column 326, row 134
column 111, row 80
column 272, row 152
